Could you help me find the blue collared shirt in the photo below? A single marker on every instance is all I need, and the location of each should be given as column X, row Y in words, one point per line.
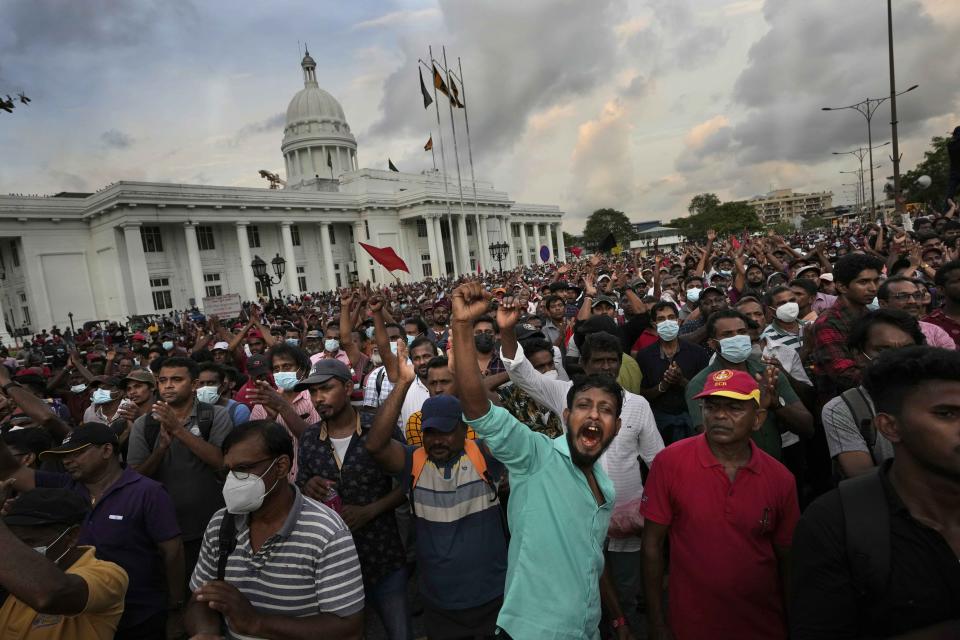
column 557, row 532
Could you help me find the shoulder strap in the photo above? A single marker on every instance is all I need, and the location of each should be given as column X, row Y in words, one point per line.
column 205, row 419
column 475, row 455
column 227, row 542
column 866, row 521
column 419, row 461
column 151, row 430
column 380, row 376
column 856, row 401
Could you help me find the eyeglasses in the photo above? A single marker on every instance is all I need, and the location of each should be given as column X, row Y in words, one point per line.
column 918, row 296
column 247, row 469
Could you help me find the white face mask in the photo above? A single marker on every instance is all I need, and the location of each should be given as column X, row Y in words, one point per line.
column 78, row 388
column 551, row 375
column 286, row 380
column 246, row 496
column 101, row 396
column 331, row 345
column 693, row 295
column 210, row 395
column 788, row 312
column 43, row 550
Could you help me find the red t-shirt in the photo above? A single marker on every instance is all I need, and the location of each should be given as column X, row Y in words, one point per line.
column 724, row 580
column 647, row 338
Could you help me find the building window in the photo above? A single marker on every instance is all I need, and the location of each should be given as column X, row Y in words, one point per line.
column 333, row 238
column 469, row 225
column 427, row 267
column 260, row 290
column 160, row 288
column 15, row 255
column 253, row 236
column 473, row 261
column 336, row 274
column 295, row 234
column 302, row 278
column 152, row 241
column 205, row 238
column 23, row 297
column 421, row 228
column 366, row 229
column 372, row 271
column 2, row 265
column 213, row 286
column 26, row 315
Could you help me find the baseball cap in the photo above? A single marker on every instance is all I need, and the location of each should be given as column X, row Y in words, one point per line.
column 605, row 276
column 604, row 300
column 826, row 276
column 711, row 288
column 140, row 375
column 808, row 268
column 221, row 346
column 258, row 364
column 87, row 434
column 527, row 331
column 442, row 413
column 313, row 334
column 729, row 383
column 322, row 371
column 139, row 336
column 254, row 333
column 46, row 506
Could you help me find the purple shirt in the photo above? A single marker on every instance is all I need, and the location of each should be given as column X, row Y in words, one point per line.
column 132, row 516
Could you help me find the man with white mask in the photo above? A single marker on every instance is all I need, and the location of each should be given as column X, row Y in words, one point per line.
column 252, row 573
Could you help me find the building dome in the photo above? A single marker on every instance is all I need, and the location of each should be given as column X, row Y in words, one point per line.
column 317, row 142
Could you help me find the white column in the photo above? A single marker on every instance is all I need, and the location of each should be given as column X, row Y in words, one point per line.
column 537, row 243
column 435, row 260
column 193, row 259
column 524, row 247
column 561, row 249
column 326, row 255
column 5, row 337
column 137, row 270
column 249, row 291
column 506, row 235
column 411, row 258
column 363, row 258
column 290, row 284
column 483, row 243
column 464, row 244
column 441, row 250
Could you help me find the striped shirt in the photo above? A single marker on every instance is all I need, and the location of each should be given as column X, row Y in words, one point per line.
column 308, row 567
column 775, row 335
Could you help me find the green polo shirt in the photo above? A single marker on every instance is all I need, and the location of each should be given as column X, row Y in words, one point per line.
column 768, row 436
column 557, row 532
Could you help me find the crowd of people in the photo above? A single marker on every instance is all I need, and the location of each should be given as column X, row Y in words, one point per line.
column 749, row 437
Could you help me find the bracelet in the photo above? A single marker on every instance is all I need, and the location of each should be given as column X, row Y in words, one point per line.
column 619, row 622
column 659, row 387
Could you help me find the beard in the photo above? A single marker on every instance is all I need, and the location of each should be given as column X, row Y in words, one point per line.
column 579, row 458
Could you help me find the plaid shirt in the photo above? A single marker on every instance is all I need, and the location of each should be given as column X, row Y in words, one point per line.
column 415, row 430
column 836, row 365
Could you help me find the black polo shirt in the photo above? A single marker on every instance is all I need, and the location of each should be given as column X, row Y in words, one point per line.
column 923, row 587
column 653, row 364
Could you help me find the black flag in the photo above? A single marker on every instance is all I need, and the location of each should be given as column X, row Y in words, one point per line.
column 392, row 166
column 329, row 160
column 427, row 100
column 608, row 243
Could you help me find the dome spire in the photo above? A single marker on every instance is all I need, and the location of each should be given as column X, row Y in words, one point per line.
column 309, row 68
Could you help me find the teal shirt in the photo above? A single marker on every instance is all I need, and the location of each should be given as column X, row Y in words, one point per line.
column 557, row 532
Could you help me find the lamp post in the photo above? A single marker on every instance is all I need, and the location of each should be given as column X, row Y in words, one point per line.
column 867, row 108
column 859, row 153
column 260, row 272
column 499, row 251
column 73, row 329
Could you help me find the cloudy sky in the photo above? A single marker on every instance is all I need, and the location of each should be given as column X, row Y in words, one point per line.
column 632, row 104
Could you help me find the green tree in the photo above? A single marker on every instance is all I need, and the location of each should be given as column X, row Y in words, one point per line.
column 570, row 240
column 703, row 203
column 707, row 212
column 815, row 222
column 935, row 164
column 602, row 222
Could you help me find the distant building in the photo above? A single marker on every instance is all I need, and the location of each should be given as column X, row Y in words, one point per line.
column 640, row 227
column 667, row 238
column 783, row 205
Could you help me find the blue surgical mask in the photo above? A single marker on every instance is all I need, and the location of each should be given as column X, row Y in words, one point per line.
column 78, row 388
column 693, row 294
column 210, row 395
column 410, row 340
column 168, row 345
column 668, row 330
column 286, row 380
column 101, row 396
column 293, row 342
column 873, row 305
column 735, row 349
column 726, row 274
column 393, row 347
column 331, row 345
column 369, row 333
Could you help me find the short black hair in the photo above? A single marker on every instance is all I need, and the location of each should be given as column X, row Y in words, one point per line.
column 438, row 362
column 35, row 440
column 768, row 297
column 940, row 278
column 722, row 314
column 395, row 325
column 602, row 342
column 298, row 355
column 595, row 381
column 753, row 299
column 902, row 320
column 419, row 342
column 663, row 304
column 550, row 299
column 536, row 345
column 897, row 372
column 486, row 318
column 275, row 438
column 179, row 362
column 806, row 284
column 212, row 366
column 883, row 293
column 420, row 322
column 853, row 264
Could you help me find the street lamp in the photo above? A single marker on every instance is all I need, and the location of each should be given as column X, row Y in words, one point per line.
column 859, row 153
column 867, row 108
column 499, row 251
column 260, row 272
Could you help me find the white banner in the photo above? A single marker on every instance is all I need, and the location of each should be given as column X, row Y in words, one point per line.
column 227, row 306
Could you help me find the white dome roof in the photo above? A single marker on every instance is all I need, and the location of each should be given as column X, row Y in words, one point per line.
column 313, row 104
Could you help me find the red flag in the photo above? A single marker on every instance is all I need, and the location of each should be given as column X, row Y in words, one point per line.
column 387, row 257
column 734, row 242
column 576, row 251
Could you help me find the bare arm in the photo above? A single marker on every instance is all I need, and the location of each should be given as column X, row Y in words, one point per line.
column 855, row 463
column 173, row 562
column 346, row 329
column 34, row 407
column 390, row 361
column 37, row 581
column 389, row 453
column 470, row 301
column 783, row 567
column 654, row 535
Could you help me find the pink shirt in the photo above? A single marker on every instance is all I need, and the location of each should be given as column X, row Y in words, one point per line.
column 936, row 336
column 304, row 407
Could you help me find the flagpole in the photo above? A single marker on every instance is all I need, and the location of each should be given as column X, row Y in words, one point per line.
column 473, row 179
column 443, row 162
column 456, row 153
column 433, row 154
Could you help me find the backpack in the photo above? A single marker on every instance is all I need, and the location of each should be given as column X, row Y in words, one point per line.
column 866, row 523
column 856, row 401
column 227, row 542
column 151, row 426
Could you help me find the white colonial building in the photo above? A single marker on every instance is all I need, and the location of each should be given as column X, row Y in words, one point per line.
column 137, row 248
